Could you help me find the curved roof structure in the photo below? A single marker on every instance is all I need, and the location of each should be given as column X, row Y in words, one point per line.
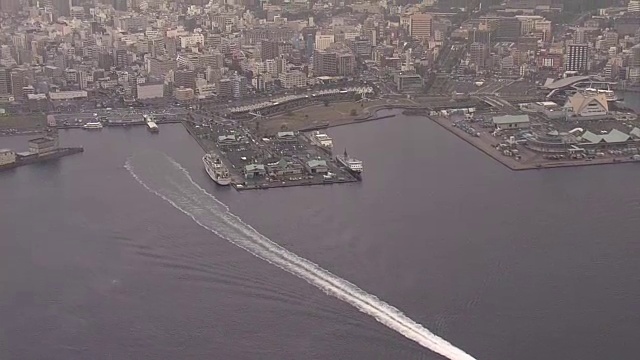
column 558, row 84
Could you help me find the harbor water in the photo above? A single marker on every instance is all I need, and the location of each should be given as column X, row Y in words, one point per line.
column 503, row 265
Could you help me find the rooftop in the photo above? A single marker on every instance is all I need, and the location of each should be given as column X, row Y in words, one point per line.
column 41, row 140
column 316, row 163
column 558, row 84
column 511, row 119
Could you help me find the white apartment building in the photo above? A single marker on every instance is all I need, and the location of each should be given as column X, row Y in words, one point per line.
column 191, row 40
column 324, row 41
column 293, row 79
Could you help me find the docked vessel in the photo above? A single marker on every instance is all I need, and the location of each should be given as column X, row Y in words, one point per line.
column 92, row 126
column 151, row 125
column 322, row 140
column 354, row 166
column 599, row 89
column 217, row 171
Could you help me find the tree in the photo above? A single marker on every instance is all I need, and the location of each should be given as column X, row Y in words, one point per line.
column 353, row 112
column 326, row 103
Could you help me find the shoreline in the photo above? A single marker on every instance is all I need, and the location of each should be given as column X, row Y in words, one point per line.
column 372, row 115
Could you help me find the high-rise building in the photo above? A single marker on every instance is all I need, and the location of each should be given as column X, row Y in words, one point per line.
column 420, row 26
column 122, row 58
column 481, row 36
column 339, row 62
column 346, row 63
column 224, row 88
column 361, row 47
column 478, row 53
column 325, row 63
column 309, row 45
column 268, row 50
column 105, row 60
column 239, row 86
column 5, row 81
column 508, row 29
column 19, row 79
column 184, row 78
column 610, row 39
column 544, row 26
column 577, row 58
column 323, row 41
column 579, row 37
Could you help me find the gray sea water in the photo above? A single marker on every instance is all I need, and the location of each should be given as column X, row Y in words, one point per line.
column 505, row 265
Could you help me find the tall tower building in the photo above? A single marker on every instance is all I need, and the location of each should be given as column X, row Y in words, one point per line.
column 580, row 36
column 19, row 80
column 122, row 58
column 5, row 81
column 185, row 78
column 577, row 58
column 420, row 26
column 508, row 29
column 268, row 50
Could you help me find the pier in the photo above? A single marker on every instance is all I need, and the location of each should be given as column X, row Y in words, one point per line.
column 258, row 161
column 531, row 160
column 23, row 159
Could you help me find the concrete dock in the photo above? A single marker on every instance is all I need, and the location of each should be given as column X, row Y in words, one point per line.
column 257, row 161
column 484, row 142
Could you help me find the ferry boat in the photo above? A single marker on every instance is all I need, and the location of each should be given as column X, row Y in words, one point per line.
column 322, row 140
column 151, row 125
column 354, row 166
column 217, row 171
column 92, row 126
column 608, row 93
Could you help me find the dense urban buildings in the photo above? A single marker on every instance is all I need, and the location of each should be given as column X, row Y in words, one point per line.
column 121, row 50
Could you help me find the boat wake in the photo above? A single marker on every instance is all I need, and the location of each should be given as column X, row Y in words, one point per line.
column 166, row 178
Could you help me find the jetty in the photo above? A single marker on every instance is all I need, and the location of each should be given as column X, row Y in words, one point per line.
column 259, row 161
column 41, row 149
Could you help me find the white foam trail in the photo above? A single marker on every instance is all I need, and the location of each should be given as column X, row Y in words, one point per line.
column 166, row 178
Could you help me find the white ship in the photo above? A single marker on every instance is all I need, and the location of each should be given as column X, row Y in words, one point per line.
column 353, row 165
column 92, row 126
column 151, row 125
column 217, row 171
column 608, row 93
column 322, row 140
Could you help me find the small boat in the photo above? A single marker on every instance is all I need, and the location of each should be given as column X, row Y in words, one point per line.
column 92, row 126
column 216, row 170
